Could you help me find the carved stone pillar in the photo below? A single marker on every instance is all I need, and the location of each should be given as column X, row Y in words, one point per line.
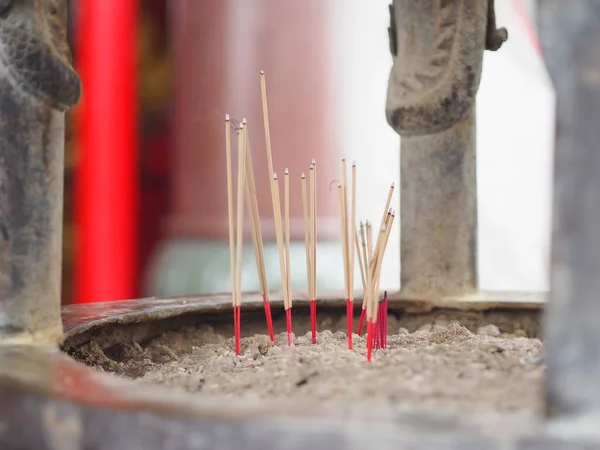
column 37, row 85
column 569, row 33
column 438, row 50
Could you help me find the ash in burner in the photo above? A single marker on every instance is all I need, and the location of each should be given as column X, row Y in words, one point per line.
column 434, row 367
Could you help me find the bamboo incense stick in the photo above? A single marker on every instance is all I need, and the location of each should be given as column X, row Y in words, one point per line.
column 372, row 302
column 374, row 275
column 265, row 108
column 259, row 252
column 350, row 233
column 240, row 229
column 345, row 250
column 370, row 253
column 274, row 185
column 344, row 233
column 362, row 259
column 344, row 216
column 282, row 258
column 378, row 258
column 369, row 230
column 388, row 201
column 286, row 184
column 313, row 220
column 279, row 238
column 361, row 266
column 385, row 318
column 232, row 263
column 308, row 250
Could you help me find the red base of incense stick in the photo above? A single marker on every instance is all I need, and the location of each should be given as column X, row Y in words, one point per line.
column 350, row 320
column 361, row 322
column 376, row 329
column 288, row 319
column 380, row 326
column 237, row 328
column 269, row 318
column 313, row 320
column 370, row 329
column 385, row 319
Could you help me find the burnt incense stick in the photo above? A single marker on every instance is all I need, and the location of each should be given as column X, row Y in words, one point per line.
column 365, row 263
column 340, row 189
column 265, row 109
column 388, row 201
column 282, row 259
column 279, row 238
column 374, row 275
column 259, row 253
column 313, row 242
column 385, row 319
column 286, row 183
column 347, row 249
column 240, row 230
column 361, row 266
column 274, row 185
column 350, row 234
column 230, row 206
column 308, row 251
column 232, row 263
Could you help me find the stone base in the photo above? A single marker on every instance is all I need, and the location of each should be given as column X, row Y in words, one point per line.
column 50, row 401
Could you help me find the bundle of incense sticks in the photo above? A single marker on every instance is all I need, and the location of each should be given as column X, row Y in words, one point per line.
column 373, row 277
column 381, row 324
column 365, row 252
column 309, row 209
column 370, row 259
column 348, row 230
column 283, row 249
column 259, row 251
column 246, row 189
column 310, row 233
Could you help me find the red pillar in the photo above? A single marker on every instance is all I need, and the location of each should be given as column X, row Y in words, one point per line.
column 106, row 186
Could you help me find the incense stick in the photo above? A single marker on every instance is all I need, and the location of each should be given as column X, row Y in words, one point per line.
column 308, row 250
column 252, row 201
column 368, row 254
column 345, row 253
column 374, row 275
column 313, row 220
column 286, row 184
column 388, row 201
column 364, row 257
column 282, row 258
column 350, row 233
column 265, row 108
column 232, row 263
column 274, row 185
column 279, row 237
column 344, row 239
column 240, row 229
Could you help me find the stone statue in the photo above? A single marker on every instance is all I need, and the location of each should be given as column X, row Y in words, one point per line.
column 37, row 85
column 438, row 46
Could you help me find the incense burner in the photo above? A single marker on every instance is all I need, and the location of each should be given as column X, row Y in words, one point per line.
column 70, row 405
column 49, row 401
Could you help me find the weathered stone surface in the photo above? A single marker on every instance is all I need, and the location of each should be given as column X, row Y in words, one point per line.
column 438, row 50
column 50, row 402
column 37, row 84
column 570, row 32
